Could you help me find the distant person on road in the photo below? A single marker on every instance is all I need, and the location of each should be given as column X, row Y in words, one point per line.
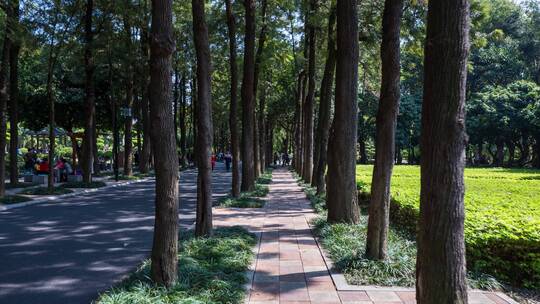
column 276, row 159
column 213, row 160
column 60, row 168
column 228, row 160
column 286, row 159
column 43, row 167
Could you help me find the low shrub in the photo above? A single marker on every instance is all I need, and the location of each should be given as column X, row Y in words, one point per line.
column 210, row 270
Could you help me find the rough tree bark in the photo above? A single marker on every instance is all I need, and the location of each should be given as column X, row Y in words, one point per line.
column 440, row 265
column 341, row 188
column 128, row 123
column 203, row 224
column 183, row 147
column 233, row 110
column 248, row 100
column 536, row 150
column 4, row 76
column 144, row 156
column 379, row 206
column 165, row 245
column 90, row 95
column 14, row 96
column 325, row 108
column 307, row 170
column 176, row 100
column 262, row 131
column 257, row 152
column 298, row 159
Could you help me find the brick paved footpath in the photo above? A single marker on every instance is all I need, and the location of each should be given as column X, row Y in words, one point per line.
column 290, row 267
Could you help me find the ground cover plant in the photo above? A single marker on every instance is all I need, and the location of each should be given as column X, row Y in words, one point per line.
column 45, row 191
column 210, row 270
column 20, row 185
column 346, row 244
column 250, row 199
column 94, row 184
column 13, row 199
column 502, row 225
column 135, row 176
column 241, row 202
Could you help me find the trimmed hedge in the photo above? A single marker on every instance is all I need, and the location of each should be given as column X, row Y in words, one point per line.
column 502, row 226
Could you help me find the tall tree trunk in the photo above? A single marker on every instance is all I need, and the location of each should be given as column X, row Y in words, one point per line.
column 193, row 89
column 499, row 154
column 144, row 156
column 248, row 100
column 258, row 64
column 307, row 170
column 269, row 141
column 50, row 101
column 74, row 148
column 4, row 76
column 511, row 152
column 256, row 152
column 342, row 194
column 95, row 152
column 203, row 226
column 128, row 123
column 363, row 152
column 440, row 266
column 298, row 124
column 14, row 96
column 262, row 131
column 536, row 149
column 176, row 100
column 325, row 107
column 165, row 245
column 524, row 154
column 90, row 107
column 183, row 148
column 233, row 110
column 379, row 206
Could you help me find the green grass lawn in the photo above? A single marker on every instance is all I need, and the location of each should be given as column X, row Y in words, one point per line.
column 210, row 270
column 502, row 226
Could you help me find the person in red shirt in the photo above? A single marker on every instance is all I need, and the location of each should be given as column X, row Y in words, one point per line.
column 43, row 167
column 213, row 160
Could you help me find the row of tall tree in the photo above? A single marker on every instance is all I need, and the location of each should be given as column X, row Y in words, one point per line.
column 266, row 76
column 441, row 249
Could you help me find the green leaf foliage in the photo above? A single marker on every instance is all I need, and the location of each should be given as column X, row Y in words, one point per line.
column 502, row 224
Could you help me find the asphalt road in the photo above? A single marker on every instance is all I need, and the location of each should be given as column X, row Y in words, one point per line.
column 68, row 251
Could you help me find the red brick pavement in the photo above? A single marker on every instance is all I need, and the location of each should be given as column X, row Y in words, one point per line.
column 290, row 268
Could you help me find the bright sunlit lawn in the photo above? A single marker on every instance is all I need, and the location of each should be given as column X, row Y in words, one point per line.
column 502, row 226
